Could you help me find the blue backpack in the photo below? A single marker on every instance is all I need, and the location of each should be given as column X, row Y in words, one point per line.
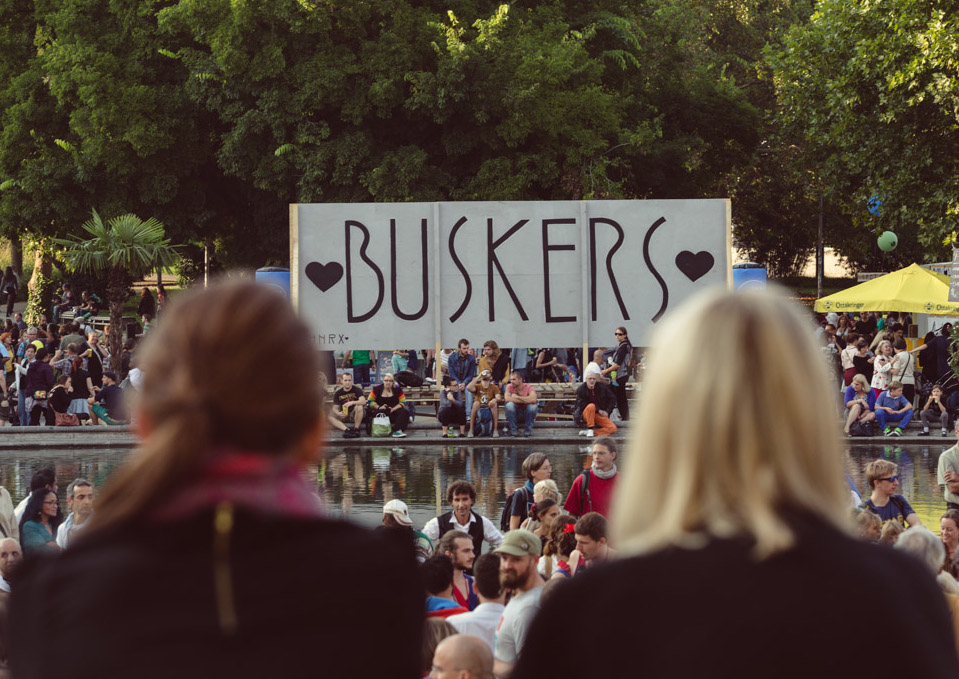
column 484, row 422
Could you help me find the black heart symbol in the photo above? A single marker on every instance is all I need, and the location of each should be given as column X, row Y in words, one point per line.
column 324, row 276
column 694, row 265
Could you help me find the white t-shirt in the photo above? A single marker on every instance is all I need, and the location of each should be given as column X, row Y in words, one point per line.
column 18, row 512
column 480, row 622
column 592, row 367
column 444, row 358
column 517, row 619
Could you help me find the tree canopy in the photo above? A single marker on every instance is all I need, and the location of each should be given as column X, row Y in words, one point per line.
column 869, row 91
column 212, row 115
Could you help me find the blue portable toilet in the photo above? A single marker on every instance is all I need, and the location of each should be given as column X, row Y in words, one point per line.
column 275, row 276
column 748, row 275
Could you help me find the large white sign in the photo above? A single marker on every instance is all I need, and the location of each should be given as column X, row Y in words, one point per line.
column 527, row 274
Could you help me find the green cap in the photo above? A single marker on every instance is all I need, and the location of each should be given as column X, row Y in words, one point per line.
column 520, row 542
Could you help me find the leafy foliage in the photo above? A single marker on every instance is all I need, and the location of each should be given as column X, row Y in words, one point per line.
column 122, row 249
column 125, row 242
column 870, row 89
column 213, row 115
column 38, row 301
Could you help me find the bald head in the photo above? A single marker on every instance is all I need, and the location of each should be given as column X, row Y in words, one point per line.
column 10, row 556
column 464, row 653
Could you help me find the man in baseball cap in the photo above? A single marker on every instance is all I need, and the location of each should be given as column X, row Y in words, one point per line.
column 397, row 515
column 396, row 510
column 518, row 554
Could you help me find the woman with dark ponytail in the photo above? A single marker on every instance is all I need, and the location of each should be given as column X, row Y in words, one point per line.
column 208, row 553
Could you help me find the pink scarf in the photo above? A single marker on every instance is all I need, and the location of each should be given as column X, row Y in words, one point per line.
column 263, row 483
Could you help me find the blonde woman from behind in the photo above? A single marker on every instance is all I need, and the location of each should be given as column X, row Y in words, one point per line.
column 732, row 522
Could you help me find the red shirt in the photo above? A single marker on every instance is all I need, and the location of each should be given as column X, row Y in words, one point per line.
column 600, row 495
column 447, row 612
column 525, row 391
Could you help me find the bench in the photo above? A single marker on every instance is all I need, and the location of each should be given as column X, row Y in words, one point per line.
column 551, row 394
column 100, row 322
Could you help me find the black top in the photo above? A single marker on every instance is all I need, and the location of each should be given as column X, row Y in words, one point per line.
column 392, row 401
column 78, row 380
column 147, row 304
column 476, row 529
column 9, row 283
column 863, row 367
column 311, row 596
column 39, row 377
column 125, row 359
column 602, row 396
column 943, row 348
column 111, row 397
column 95, row 368
column 717, row 612
column 520, row 503
column 341, row 396
column 500, row 368
column 59, row 399
column 621, row 357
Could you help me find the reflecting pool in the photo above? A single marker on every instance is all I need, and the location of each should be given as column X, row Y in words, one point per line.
column 355, row 482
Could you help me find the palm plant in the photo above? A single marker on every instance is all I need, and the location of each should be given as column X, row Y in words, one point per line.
column 122, row 250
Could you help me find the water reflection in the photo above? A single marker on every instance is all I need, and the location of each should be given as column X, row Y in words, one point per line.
column 16, row 468
column 356, row 481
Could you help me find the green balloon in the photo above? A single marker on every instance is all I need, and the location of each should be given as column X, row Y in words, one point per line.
column 887, row 241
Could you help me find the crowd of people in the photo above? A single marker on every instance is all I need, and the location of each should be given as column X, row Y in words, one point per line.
column 207, row 553
column 61, row 373
column 477, row 392
column 882, row 381
column 63, row 380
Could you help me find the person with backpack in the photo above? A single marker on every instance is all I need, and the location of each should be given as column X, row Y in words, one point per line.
column 537, row 468
column 890, row 506
column 592, row 490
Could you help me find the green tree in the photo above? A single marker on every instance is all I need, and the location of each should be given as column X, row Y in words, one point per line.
column 122, row 250
column 871, row 90
column 464, row 100
column 213, row 115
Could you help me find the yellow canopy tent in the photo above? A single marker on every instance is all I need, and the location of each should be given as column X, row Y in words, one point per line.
column 912, row 289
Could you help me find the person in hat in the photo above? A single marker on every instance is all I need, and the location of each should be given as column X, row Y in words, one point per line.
column 486, row 397
column 397, row 515
column 107, row 406
column 519, row 555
